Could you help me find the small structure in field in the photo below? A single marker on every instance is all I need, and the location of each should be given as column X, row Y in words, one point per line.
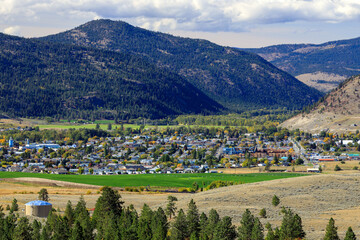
column 38, row 208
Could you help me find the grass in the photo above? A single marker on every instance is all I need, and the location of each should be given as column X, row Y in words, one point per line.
column 156, row 180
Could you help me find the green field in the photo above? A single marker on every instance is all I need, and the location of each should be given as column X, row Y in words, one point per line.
column 105, row 126
column 156, row 180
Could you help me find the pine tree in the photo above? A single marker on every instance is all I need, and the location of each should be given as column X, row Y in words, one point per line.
column 14, row 206
column 291, row 226
column 108, row 204
column 193, row 219
column 225, row 230
column 170, row 207
column 36, row 228
column 23, row 230
column 159, row 225
column 83, row 217
column 350, row 235
column 270, row 233
column 246, row 225
column 44, row 195
column 331, row 231
column 258, row 230
column 128, row 223
column 69, row 213
column 77, row 232
column 144, row 227
column 275, row 200
column 203, row 235
column 212, row 223
column 179, row 229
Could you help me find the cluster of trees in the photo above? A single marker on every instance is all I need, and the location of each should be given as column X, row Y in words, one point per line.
column 111, row 220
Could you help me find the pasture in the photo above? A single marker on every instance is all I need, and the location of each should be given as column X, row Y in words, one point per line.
column 156, row 180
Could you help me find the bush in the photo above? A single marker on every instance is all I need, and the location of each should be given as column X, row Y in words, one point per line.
column 184, row 190
column 355, row 168
column 262, row 213
column 337, row 168
column 275, row 200
column 219, row 183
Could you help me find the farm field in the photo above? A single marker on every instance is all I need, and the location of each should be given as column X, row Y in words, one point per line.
column 156, row 180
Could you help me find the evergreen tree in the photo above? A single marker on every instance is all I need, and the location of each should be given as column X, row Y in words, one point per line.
column 77, row 232
column 43, row 195
column 144, row 227
column 213, row 221
column 246, row 225
column 270, row 233
column 350, row 235
column 159, row 225
column 23, row 230
column 193, row 219
column 291, row 226
column 128, row 224
column 170, row 207
column 225, row 230
column 331, row 231
column 203, row 234
column 9, row 224
column 83, row 217
column 14, row 206
column 108, row 204
column 179, row 229
column 275, row 200
column 257, row 231
column 69, row 213
column 36, row 229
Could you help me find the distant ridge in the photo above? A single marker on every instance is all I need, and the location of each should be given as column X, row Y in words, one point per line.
column 234, row 78
column 322, row 66
column 39, row 79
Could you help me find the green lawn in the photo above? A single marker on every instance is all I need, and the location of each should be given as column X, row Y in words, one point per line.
column 159, row 180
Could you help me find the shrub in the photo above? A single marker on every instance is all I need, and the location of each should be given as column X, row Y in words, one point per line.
column 88, row 192
column 337, row 168
column 219, row 183
column 355, row 168
column 262, row 213
column 183, row 190
column 275, row 200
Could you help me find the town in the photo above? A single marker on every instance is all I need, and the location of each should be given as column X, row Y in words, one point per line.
column 175, row 149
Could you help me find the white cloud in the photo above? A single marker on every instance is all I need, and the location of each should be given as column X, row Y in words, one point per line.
column 189, row 15
column 14, row 30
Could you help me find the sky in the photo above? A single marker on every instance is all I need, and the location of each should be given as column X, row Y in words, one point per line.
column 235, row 23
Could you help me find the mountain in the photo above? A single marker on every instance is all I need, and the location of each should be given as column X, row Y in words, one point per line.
column 38, row 78
column 237, row 79
column 338, row 111
column 322, row 66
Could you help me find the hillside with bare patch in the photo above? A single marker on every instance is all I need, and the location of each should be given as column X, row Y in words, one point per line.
column 339, row 111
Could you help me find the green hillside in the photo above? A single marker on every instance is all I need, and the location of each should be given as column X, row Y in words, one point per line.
column 237, row 79
column 49, row 79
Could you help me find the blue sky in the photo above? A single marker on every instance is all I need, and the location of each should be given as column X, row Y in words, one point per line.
column 237, row 23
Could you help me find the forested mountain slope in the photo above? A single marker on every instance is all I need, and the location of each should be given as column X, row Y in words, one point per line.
column 322, row 66
column 235, row 78
column 49, row 79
